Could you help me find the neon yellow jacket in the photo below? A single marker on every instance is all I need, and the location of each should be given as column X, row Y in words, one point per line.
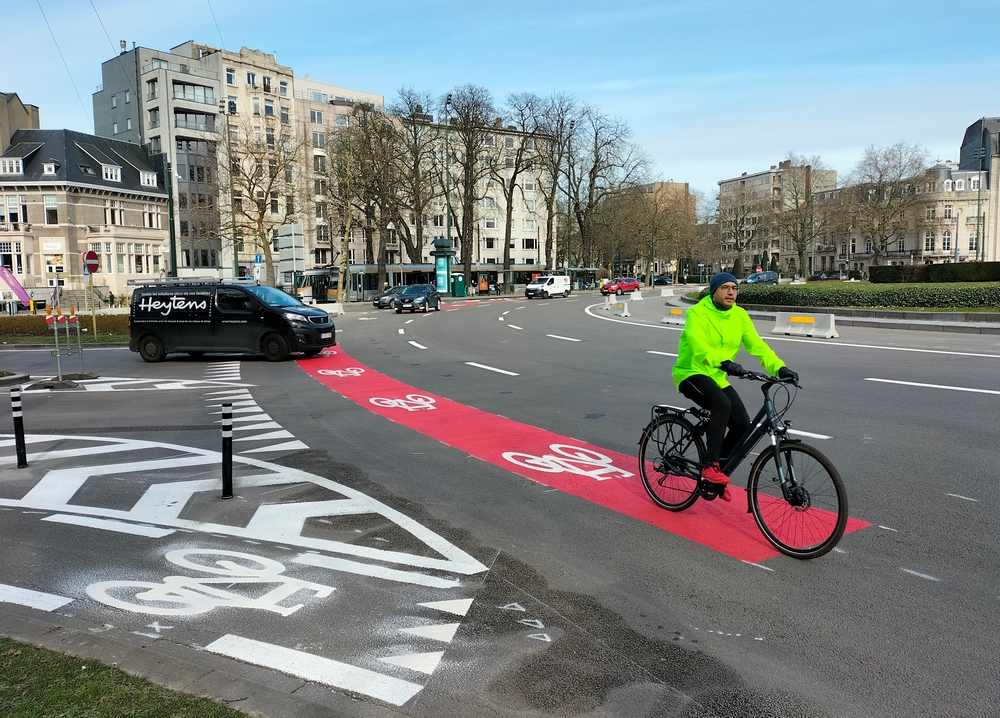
column 712, row 336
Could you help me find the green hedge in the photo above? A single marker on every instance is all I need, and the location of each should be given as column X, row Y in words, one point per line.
column 873, row 296
column 951, row 272
column 34, row 325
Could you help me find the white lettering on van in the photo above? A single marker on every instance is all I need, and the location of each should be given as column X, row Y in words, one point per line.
column 166, row 305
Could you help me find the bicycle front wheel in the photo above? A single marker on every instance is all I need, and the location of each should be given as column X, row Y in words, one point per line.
column 811, row 519
column 670, row 459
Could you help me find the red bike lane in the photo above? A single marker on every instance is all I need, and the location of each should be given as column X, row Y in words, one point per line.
column 601, row 476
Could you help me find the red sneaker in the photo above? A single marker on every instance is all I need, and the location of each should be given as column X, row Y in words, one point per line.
column 713, row 474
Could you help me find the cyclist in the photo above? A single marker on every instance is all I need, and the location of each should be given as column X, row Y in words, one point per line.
column 714, row 330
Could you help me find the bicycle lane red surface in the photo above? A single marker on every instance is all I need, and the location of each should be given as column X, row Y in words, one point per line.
column 613, row 483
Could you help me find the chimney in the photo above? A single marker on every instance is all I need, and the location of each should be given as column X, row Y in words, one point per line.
column 124, row 46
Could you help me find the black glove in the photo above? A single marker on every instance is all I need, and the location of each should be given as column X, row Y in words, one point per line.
column 731, row 368
column 786, row 373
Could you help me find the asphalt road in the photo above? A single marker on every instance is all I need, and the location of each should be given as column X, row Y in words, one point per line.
column 555, row 605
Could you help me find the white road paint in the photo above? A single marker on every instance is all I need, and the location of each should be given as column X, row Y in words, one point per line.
column 887, row 528
column 418, row 346
column 443, row 632
column 507, row 312
column 514, row 326
column 758, row 565
column 964, row 498
column 32, row 599
column 458, row 606
column 924, row 576
column 934, row 386
column 363, row 569
column 480, row 366
column 422, row 662
column 316, row 668
column 280, row 434
column 665, row 354
column 109, row 525
column 407, row 321
column 500, row 318
column 565, row 339
column 808, row 434
column 287, row 446
column 402, row 331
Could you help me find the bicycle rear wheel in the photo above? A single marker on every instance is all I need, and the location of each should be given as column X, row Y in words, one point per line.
column 812, row 520
column 670, row 459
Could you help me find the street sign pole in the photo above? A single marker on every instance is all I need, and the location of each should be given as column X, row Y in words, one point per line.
column 92, row 263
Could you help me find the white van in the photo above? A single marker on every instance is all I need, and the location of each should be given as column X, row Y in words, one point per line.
column 548, row 286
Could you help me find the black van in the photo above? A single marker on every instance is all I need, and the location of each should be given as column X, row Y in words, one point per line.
column 224, row 316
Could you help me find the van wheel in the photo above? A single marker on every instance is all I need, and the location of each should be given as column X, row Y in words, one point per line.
column 151, row 348
column 274, row 347
column 565, row 294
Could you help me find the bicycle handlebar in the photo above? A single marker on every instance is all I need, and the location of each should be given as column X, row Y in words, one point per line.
column 760, row 376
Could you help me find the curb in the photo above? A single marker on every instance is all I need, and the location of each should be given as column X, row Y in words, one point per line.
column 15, row 379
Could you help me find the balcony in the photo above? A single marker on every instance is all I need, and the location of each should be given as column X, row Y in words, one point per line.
column 200, row 126
column 15, row 227
column 183, row 69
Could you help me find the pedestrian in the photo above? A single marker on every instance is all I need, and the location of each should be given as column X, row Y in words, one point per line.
column 111, row 299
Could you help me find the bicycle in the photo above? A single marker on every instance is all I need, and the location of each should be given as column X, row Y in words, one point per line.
column 795, row 494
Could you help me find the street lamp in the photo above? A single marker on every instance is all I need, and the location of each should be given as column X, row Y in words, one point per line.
column 979, row 154
column 958, row 216
column 569, row 202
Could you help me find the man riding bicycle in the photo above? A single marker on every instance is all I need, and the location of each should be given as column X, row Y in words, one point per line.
column 714, row 330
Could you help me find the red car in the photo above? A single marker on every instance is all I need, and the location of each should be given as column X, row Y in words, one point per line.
column 621, row 285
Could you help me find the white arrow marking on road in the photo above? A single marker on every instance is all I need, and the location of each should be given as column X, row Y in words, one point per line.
column 568, row 339
column 32, row 599
column 316, row 668
column 422, row 662
column 540, row 637
column 418, row 346
column 513, row 607
column 443, row 632
column 458, row 606
column 533, row 622
column 934, row 386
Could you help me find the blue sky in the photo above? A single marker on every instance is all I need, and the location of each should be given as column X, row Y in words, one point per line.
column 711, row 88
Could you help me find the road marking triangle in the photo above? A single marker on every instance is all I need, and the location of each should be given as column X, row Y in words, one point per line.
column 440, row 632
column 270, row 435
column 288, row 445
column 423, row 662
column 458, row 606
column 513, row 607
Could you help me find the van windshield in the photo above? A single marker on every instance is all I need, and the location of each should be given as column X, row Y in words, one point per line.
column 273, row 297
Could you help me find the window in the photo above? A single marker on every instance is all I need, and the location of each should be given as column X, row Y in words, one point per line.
column 284, row 116
column 128, row 124
column 269, row 107
column 114, row 128
column 51, row 209
column 490, row 241
column 947, row 211
column 147, row 179
column 320, row 187
column 323, row 233
column 489, row 141
column 869, row 247
column 267, row 83
column 509, row 163
column 316, row 117
column 490, row 223
column 319, row 163
column 234, row 133
column 151, row 216
column 489, row 203
column 512, row 244
column 274, row 203
column 901, row 245
column 10, row 166
column 114, row 101
column 283, row 88
column 528, row 243
column 528, row 185
column 960, row 185
column 947, row 185
column 930, row 212
column 508, row 142
column 194, row 93
column 929, row 242
column 154, row 117
column 530, row 224
column 319, row 140
column 530, row 205
column 230, row 76
column 973, row 242
column 288, row 173
column 321, row 210
column 252, row 80
column 112, row 173
column 256, row 105
column 128, row 97
column 974, row 183
column 491, row 260
column 946, row 242
column 155, row 145
column 343, row 121
column 49, row 168
column 854, row 246
column 152, row 90
column 269, row 138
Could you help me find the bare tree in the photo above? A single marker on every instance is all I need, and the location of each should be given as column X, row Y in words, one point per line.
column 602, row 159
column 555, row 122
column 883, row 192
column 741, row 211
column 797, row 217
column 255, row 171
column 418, row 167
column 470, row 132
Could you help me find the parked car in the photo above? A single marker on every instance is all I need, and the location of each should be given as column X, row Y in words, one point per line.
column 837, row 275
column 816, row 277
column 418, row 297
column 620, row 285
column 662, row 279
column 761, row 278
column 387, row 298
column 556, row 285
column 199, row 316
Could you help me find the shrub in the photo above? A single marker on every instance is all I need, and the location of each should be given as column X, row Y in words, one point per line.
column 34, row 325
column 873, row 296
column 950, row 272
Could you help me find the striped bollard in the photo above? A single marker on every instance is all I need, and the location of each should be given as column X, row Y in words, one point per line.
column 15, row 406
column 227, row 451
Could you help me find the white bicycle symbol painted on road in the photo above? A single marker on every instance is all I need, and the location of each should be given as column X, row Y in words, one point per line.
column 412, row 402
column 570, row 459
column 351, row 371
column 186, row 596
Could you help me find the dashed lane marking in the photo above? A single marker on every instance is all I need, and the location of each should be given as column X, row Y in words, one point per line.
column 418, row 346
column 565, row 339
column 492, row 368
column 934, row 386
column 32, row 599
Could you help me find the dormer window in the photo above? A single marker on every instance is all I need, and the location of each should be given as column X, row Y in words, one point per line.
column 87, row 170
column 112, row 173
column 48, row 168
column 11, row 166
column 148, row 179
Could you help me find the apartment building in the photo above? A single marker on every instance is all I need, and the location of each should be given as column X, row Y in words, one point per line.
column 980, row 152
column 64, row 193
column 14, row 116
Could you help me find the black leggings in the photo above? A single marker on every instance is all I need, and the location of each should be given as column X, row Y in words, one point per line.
column 727, row 410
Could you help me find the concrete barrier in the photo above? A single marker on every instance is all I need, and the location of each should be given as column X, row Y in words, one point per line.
column 608, row 302
column 335, row 309
column 636, row 296
column 806, row 325
column 668, row 292
column 674, row 316
column 623, row 305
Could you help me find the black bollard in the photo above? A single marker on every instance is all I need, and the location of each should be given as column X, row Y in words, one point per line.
column 15, row 406
column 227, row 451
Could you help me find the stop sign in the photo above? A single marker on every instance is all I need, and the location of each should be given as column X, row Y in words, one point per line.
column 91, row 261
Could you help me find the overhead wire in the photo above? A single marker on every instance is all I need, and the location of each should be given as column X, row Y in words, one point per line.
column 86, row 112
column 128, row 79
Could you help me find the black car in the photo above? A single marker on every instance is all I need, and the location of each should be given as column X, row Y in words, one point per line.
column 816, row 277
column 418, row 297
column 386, row 298
column 662, row 279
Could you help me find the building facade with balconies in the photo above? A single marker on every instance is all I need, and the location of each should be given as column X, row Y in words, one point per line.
column 65, row 193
